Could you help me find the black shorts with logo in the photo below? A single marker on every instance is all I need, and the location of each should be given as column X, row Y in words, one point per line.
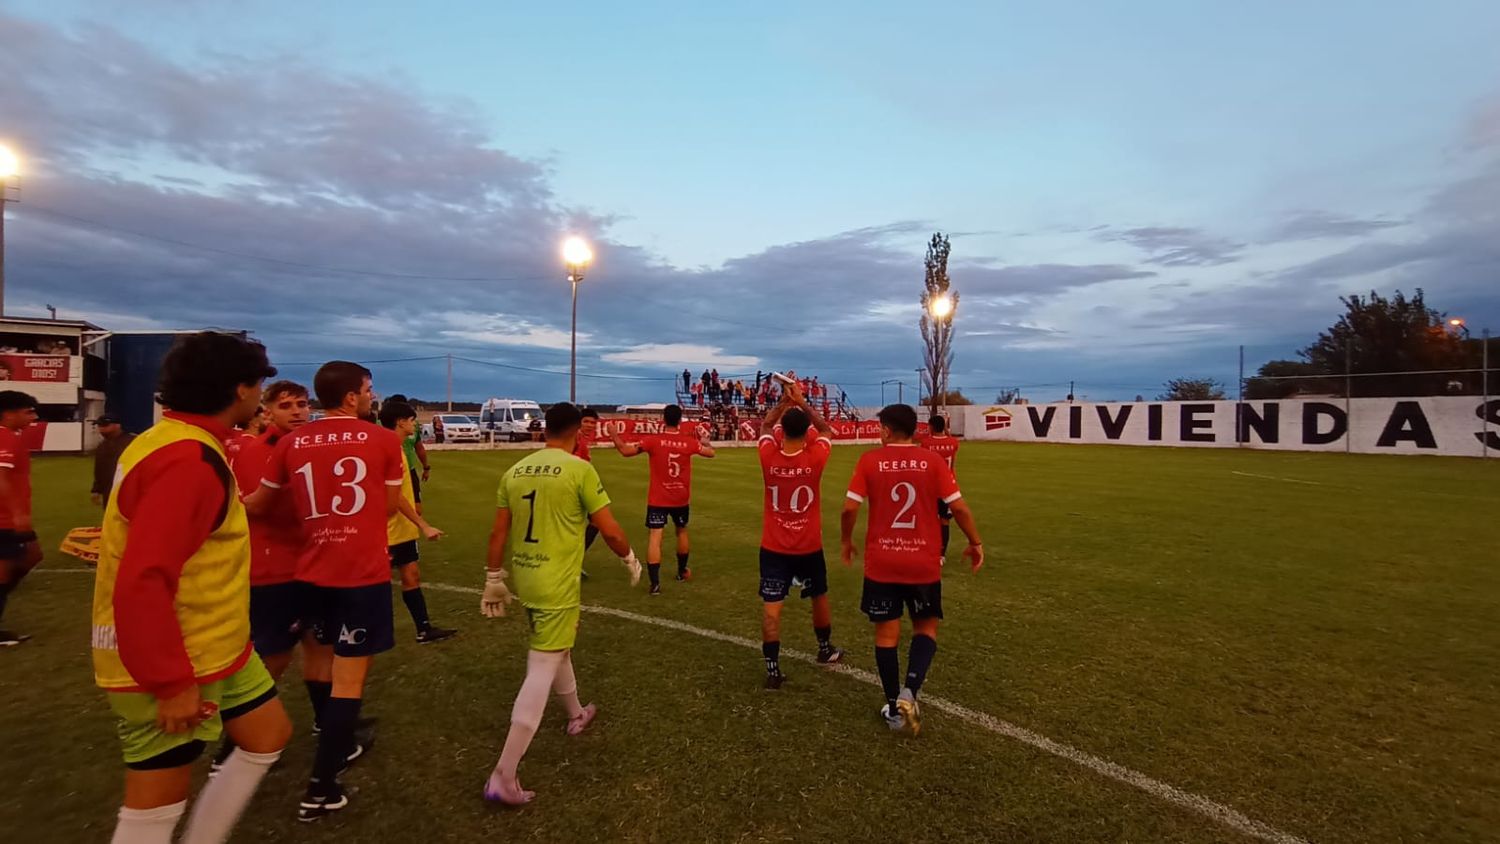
column 777, row 571
column 884, row 601
column 403, row 553
column 355, row 620
column 656, row 517
column 276, row 616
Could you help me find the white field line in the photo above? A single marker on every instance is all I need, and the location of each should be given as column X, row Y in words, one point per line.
column 1274, row 478
column 55, row 570
column 1210, row 809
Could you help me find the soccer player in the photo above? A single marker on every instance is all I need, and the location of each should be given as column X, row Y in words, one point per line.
column 345, row 476
column 19, row 549
column 171, row 621
column 543, row 502
column 946, row 446
column 112, row 443
column 791, row 542
column 671, row 487
column 903, row 563
column 416, row 453
column 406, row 527
column 588, row 432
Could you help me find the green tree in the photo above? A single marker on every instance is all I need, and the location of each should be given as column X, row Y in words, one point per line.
column 947, row 397
column 937, row 329
column 1379, row 335
column 1192, row 389
column 1294, row 377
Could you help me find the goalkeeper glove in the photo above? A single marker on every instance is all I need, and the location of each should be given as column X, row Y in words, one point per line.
column 633, row 566
column 496, row 596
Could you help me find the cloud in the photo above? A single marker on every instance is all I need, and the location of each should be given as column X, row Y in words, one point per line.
column 1313, row 225
column 681, row 354
column 1176, row 246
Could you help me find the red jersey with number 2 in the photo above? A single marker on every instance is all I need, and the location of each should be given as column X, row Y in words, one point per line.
column 904, row 537
column 793, row 518
column 337, row 470
column 671, row 468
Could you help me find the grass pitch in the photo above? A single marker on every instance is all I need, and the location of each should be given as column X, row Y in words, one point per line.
column 1309, row 639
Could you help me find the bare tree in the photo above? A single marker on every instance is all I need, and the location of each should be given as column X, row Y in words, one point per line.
column 938, row 309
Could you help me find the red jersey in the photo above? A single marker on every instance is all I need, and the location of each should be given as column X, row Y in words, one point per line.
column 15, row 457
column 338, row 469
column 946, row 445
column 275, row 538
column 793, row 522
column 904, row 539
column 581, row 448
column 233, row 445
column 671, row 468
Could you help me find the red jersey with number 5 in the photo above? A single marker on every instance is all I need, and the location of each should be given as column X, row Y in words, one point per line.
column 793, row 519
column 902, row 484
column 337, row 470
column 671, row 468
column 946, row 445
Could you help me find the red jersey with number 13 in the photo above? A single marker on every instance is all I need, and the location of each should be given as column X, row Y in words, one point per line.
column 671, row 468
column 946, row 445
column 338, row 469
column 793, row 518
column 904, row 537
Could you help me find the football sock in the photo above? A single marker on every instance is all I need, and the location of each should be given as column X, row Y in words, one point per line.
column 318, row 692
column 918, row 660
column 682, row 565
column 888, row 662
column 590, row 533
column 772, row 652
column 225, row 749
column 223, row 800
column 565, row 687
column 526, row 715
column 148, row 826
column 416, row 604
column 947, row 529
column 5, row 589
column 336, row 741
column 654, row 570
column 825, row 636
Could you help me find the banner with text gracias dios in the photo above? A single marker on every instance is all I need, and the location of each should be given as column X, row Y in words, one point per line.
column 1449, row 425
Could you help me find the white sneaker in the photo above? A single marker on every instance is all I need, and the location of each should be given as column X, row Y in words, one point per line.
column 894, row 721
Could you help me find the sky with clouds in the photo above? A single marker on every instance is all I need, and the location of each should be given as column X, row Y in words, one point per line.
column 1133, row 191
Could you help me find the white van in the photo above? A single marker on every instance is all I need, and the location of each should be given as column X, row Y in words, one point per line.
column 511, row 419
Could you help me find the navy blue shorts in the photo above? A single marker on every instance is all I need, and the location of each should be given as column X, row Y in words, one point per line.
column 355, row 620
column 884, row 601
column 276, row 618
column 656, row 517
column 777, row 571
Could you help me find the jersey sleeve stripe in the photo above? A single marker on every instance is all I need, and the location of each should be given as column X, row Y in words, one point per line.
column 854, row 496
column 271, row 484
column 952, row 498
column 7, row 465
column 396, row 482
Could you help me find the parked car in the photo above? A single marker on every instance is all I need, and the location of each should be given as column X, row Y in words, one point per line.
column 455, row 428
column 511, row 419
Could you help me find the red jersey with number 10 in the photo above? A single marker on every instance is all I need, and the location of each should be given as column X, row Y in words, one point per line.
column 338, row 470
column 671, row 468
column 793, row 518
column 946, row 445
column 904, row 538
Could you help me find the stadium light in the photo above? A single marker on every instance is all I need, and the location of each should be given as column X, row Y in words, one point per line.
column 1459, row 325
column 941, row 307
column 577, row 255
column 9, row 166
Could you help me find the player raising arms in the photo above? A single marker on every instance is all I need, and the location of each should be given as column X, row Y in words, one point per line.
column 345, row 476
column 406, row 527
column 903, row 562
column 671, row 488
column 543, row 502
column 791, row 542
column 946, row 446
column 171, row 617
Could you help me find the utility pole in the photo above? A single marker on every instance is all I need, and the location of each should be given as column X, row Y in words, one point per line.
column 450, row 382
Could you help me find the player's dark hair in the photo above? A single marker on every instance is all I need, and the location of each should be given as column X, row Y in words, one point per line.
column 398, row 397
column 938, row 424
column 900, row 418
column 337, row 379
column 563, row 419
column 202, row 371
column 794, row 423
column 588, row 413
column 16, row 400
column 394, row 411
column 672, row 415
column 277, row 389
